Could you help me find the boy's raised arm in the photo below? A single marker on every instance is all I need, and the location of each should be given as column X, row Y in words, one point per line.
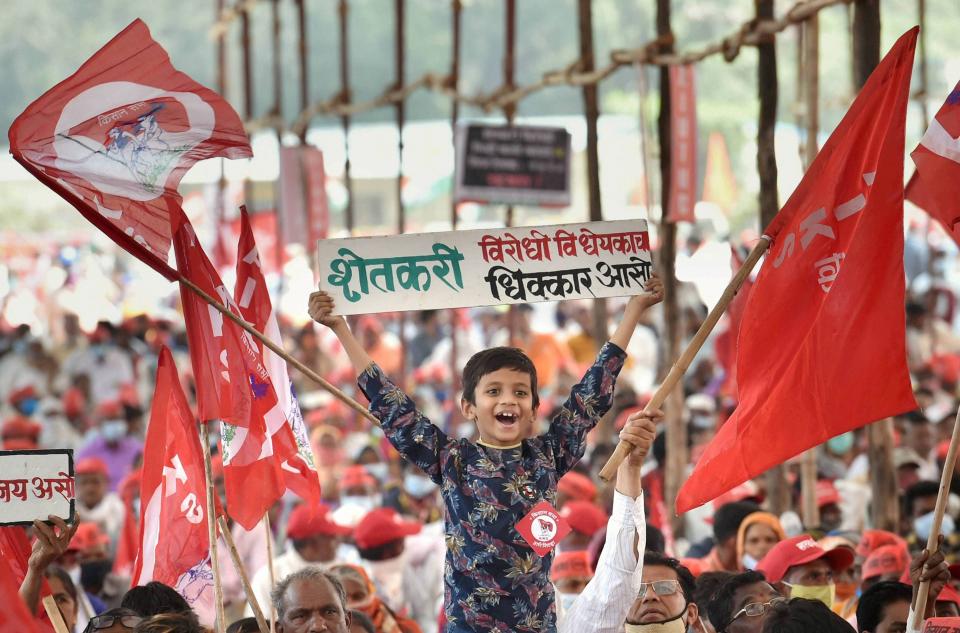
column 321, row 308
column 637, row 305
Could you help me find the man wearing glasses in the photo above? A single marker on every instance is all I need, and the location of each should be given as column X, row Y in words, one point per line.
column 665, row 602
column 743, row 603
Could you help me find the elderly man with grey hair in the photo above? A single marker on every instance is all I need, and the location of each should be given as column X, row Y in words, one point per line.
column 310, row 601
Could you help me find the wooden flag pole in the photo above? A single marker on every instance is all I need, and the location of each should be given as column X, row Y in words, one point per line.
column 680, row 367
column 270, row 570
column 923, row 593
column 220, row 624
column 279, row 351
column 244, row 578
column 53, row 612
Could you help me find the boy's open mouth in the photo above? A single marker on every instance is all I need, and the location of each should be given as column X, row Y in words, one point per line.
column 507, row 418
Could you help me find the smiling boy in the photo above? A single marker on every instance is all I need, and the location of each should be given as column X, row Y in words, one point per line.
column 494, row 581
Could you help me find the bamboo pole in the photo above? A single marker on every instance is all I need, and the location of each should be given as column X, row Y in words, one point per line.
column 53, row 612
column 456, row 10
column 244, row 577
column 343, row 11
column 277, row 116
column 400, row 69
column 946, row 477
column 680, row 367
column 808, row 489
column 510, row 111
column 270, row 570
column 304, row 65
column 220, row 624
column 278, row 350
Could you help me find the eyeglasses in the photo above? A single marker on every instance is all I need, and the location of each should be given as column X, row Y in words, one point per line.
column 106, row 621
column 755, row 609
column 660, row 587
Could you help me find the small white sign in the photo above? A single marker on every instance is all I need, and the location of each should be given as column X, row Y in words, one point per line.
column 35, row 485
column 458, row 269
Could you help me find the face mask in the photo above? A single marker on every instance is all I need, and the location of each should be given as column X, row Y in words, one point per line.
column 28, row 406
column 367, row 502
column 417, row 485
column 671, row 625
column 824, row 593
column 565, row 601
column 378, row 470
column 846, row 590
column 113, row 430
column 749, row 562
column 923, row 525
column 841, row 444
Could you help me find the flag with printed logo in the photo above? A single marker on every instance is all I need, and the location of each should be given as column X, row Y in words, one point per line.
column 115, row 138
column 287, row 442
column 822, row 342
column 933, row 186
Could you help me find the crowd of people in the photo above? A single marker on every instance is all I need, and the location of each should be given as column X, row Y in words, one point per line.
column 416, row 529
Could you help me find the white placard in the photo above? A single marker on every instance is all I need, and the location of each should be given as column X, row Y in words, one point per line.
column 35, row 485
column 457, row 269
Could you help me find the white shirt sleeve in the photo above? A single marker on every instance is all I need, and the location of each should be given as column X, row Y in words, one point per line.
column 605, row 601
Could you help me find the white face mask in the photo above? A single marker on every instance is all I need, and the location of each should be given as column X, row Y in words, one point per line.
column 378, row 470
column 923, row 524
column 367, row 502
column 113, row 430
column 565, row 601
column 749, row 562
column 672, row 625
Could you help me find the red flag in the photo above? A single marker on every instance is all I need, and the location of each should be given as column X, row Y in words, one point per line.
column 937, row 157
column 128, row 542
column 115, row 138
column 726, row 344
column 14, row 616
column 683, row 143
column 174, row 543
column 822, row 343
column 289, row 438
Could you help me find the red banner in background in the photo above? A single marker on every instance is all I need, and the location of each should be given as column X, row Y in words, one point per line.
column 683, row 143
column 318, row 210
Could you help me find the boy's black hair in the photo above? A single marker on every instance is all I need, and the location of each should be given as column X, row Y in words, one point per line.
column 656, row 542
column 919, row 490
column 489, row 361
column 244, row 625
column 876, row 599
column 720, row 607
column 687, row 581
column 707, row 585
column 803, row 616
column 727, row 519
column 154, row 598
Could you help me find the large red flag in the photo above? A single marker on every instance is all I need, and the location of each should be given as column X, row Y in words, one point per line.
column 174, row 543
column 933, row 186
column 115, row 138
column 822, row 344
column 726, row 341
column 14, row 616
column 233, row 385
column 289, row 439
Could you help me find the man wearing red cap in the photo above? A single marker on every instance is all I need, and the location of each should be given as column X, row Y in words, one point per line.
column 585, row 520
column 380, row 538
column 575, row 486
column 313, row 540
column 95, row 502
column 799, row 568
column 570, row 574
column 21, row 427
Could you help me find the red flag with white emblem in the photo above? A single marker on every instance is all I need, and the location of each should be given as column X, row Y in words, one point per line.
column 174, row 543
column 822, row 343
column 933, row 186
column 233, row 385
column 289, row 441
column 115, row 138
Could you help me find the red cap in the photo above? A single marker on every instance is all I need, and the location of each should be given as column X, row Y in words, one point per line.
column 19, row 444
column 800, row 550
column 306, row 521
column 826, row 493
column 129, row 396
column 949, row 594
column 382, row 526
column 886, row 559
column 872, row 539
column 357, row 476
column 577, row 486
column 571, row 565
column 110, row 409
column 584, row 517
column 91, row 466
column 19, row 427
column 22, row 394
column 87, row 535
column 621, row 420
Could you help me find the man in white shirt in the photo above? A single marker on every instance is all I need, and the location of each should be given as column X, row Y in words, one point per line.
column 314, row 539
column 603, row 605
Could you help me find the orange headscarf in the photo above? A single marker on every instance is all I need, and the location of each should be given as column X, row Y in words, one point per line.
column 384, row 620
column 764, row 518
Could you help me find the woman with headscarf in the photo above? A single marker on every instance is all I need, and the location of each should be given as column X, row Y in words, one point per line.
column 757, row 535
column 362, row 596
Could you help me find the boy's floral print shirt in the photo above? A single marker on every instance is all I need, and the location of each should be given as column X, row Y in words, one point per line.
column 494, row 581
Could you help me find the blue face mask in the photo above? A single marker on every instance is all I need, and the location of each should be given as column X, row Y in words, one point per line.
column 924, row 524
column 113, row 430
column 841, row 444
column 28, row 406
